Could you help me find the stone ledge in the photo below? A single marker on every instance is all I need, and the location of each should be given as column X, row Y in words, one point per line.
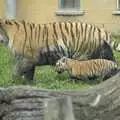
column 116, row 12
column 70, row 12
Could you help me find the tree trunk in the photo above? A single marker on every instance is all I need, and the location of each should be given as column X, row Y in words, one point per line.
column 101, row 102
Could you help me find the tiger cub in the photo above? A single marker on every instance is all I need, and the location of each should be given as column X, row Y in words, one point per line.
column 87, row 70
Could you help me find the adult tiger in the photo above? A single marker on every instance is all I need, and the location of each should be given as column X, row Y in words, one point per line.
column 44, row 44
column 88, row 69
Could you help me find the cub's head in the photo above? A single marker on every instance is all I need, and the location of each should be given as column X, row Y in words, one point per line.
column 61, row 65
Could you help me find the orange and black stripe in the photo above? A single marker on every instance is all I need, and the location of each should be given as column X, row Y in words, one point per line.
column 66, row 38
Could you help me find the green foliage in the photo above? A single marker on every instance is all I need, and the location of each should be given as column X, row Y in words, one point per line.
column 5, row 68
column 117, row 57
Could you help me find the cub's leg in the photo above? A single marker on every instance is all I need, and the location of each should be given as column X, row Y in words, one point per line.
column 81, row 78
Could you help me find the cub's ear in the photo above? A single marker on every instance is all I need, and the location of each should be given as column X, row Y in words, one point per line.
column 64, row 59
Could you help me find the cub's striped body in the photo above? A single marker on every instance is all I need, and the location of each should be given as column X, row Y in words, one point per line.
column 44, row 44
column 86, row 69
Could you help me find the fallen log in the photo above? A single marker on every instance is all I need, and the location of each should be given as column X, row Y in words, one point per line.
column 100, row 102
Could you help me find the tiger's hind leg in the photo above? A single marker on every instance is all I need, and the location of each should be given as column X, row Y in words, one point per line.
column 107, row 52
column 104, row 52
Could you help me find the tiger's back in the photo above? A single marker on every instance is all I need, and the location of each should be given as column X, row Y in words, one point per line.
column 71, row 39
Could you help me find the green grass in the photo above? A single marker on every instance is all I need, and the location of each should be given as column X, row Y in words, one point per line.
column 117, row 56
column 5, row 68
column 45, row 76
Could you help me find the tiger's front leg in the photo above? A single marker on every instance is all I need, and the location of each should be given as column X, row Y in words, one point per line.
column 24, row 68
column 29, row 74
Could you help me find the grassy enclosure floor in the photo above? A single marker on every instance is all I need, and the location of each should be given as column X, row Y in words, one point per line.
column 45, row 76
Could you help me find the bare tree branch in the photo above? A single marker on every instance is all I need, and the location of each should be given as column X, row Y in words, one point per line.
column 101, row 102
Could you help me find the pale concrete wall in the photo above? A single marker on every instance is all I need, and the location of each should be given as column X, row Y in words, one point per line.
column 39, row 11
column 2, row 9
column 96, row 11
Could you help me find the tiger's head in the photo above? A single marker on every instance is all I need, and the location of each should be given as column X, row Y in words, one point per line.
column 3, row 35
column 62, row 65
column 7, row 30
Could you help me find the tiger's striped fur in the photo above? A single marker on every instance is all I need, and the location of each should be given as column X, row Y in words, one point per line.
column 86, row 69
column 115, row 43
column 43, row 44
